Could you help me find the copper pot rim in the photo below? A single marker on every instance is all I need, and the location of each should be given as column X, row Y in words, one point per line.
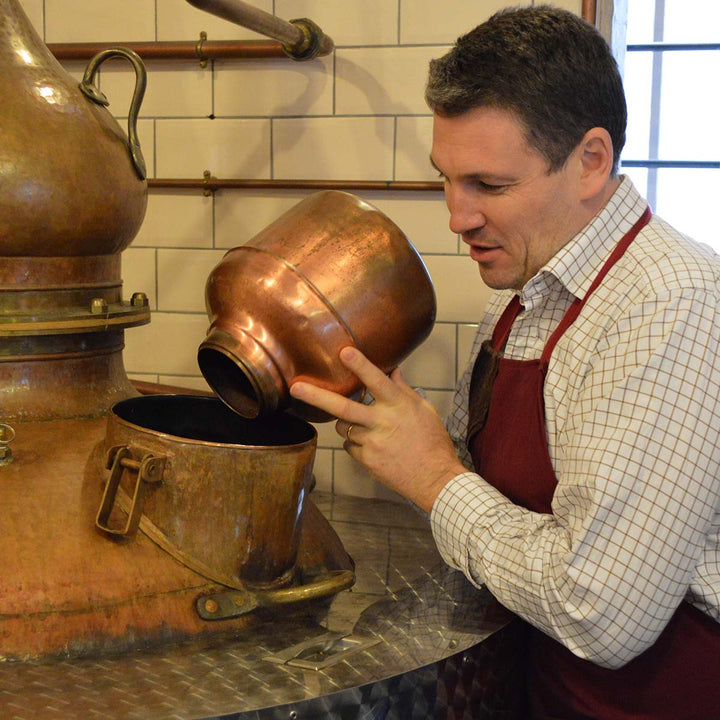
column 138, row 414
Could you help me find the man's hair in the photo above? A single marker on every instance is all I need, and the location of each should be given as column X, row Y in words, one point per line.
column 549, row 68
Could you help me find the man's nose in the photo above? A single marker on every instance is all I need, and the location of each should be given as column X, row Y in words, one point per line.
column 465, row 214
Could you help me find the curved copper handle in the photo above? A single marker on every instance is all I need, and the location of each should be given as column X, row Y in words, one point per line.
column 7, row 435
column 233, row 603
column 89, row 89
column 330, row 584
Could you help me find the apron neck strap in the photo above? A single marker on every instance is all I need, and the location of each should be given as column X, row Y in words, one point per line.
column 502, row 328
column 574, row 310
column 514, row 307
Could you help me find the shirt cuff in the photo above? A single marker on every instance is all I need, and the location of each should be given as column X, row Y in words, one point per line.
column 457, row 510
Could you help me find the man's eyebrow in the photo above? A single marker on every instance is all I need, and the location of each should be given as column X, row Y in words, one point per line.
column 481, row 177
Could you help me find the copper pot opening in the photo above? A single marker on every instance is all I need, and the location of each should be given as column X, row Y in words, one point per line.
column 230, row 380
column 208, row 420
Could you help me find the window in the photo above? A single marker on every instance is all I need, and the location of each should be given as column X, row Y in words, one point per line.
column 672, row 71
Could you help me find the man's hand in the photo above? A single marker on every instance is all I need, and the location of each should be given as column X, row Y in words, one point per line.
column 400, row 438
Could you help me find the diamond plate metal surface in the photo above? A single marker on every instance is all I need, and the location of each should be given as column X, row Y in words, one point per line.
column 446, row 650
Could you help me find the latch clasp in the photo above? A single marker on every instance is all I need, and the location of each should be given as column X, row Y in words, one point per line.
column 149, row 470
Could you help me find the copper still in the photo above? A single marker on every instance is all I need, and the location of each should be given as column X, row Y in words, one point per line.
column 124, row 524
column 332, row 271
column 72, row 196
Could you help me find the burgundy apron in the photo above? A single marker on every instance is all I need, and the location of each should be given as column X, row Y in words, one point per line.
column 679, row 676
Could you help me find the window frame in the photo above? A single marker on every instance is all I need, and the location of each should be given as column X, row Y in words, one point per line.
column 610, row 17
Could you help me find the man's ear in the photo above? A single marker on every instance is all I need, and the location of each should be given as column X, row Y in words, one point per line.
column 596, row 162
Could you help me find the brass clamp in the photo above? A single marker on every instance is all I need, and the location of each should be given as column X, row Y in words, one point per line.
column 313, row 41
column 7, row 435
column 199, row 50
column 149, row 471
column 208, row 189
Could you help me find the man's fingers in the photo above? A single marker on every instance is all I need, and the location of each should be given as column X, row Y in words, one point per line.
column 372, row 377
column 331, row 402
column 378, row 384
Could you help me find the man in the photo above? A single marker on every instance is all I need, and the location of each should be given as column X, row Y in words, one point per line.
column 591, row 414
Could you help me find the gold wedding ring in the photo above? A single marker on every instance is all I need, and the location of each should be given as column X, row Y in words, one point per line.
column 347, row 432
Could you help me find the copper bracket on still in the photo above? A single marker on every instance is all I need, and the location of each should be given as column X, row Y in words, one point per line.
column 149, row 470
column 225, row 605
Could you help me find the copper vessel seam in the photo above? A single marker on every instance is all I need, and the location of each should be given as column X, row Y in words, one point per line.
column 79, row 355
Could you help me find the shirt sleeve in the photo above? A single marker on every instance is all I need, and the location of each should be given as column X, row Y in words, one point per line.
column 637, row 462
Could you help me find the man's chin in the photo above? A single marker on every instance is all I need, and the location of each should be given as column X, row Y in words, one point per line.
column 497, row 281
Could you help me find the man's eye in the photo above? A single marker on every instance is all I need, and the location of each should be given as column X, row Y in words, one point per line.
column 487, row 187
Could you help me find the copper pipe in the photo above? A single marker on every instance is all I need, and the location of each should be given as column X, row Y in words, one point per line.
column 210, row 185
column 589, row 11
column 302, row 39
column 202, row 50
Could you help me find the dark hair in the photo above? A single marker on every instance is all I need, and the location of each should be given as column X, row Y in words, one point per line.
column 547, row 66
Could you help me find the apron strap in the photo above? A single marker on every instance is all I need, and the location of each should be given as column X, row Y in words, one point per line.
column 574, row 310
column 505, row 322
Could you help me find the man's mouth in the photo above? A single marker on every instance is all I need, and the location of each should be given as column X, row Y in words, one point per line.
column 484, row 253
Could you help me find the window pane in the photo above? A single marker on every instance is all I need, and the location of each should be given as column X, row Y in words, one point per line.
column 690, row 106
column 690, row 20
column 687, row 199
column 637, row 79
column 641, row 17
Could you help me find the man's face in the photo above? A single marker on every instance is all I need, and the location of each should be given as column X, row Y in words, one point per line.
column 502, row 201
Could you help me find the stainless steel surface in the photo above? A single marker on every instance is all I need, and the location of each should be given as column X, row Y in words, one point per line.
column 442, row 648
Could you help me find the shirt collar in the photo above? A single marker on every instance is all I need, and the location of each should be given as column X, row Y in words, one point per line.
column 577, row 263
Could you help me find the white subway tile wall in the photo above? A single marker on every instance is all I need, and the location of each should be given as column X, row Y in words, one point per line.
column 357, row 114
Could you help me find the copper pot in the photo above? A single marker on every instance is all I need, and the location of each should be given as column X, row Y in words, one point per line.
column 71, row 182
column 222, row 494
column 332, row 271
